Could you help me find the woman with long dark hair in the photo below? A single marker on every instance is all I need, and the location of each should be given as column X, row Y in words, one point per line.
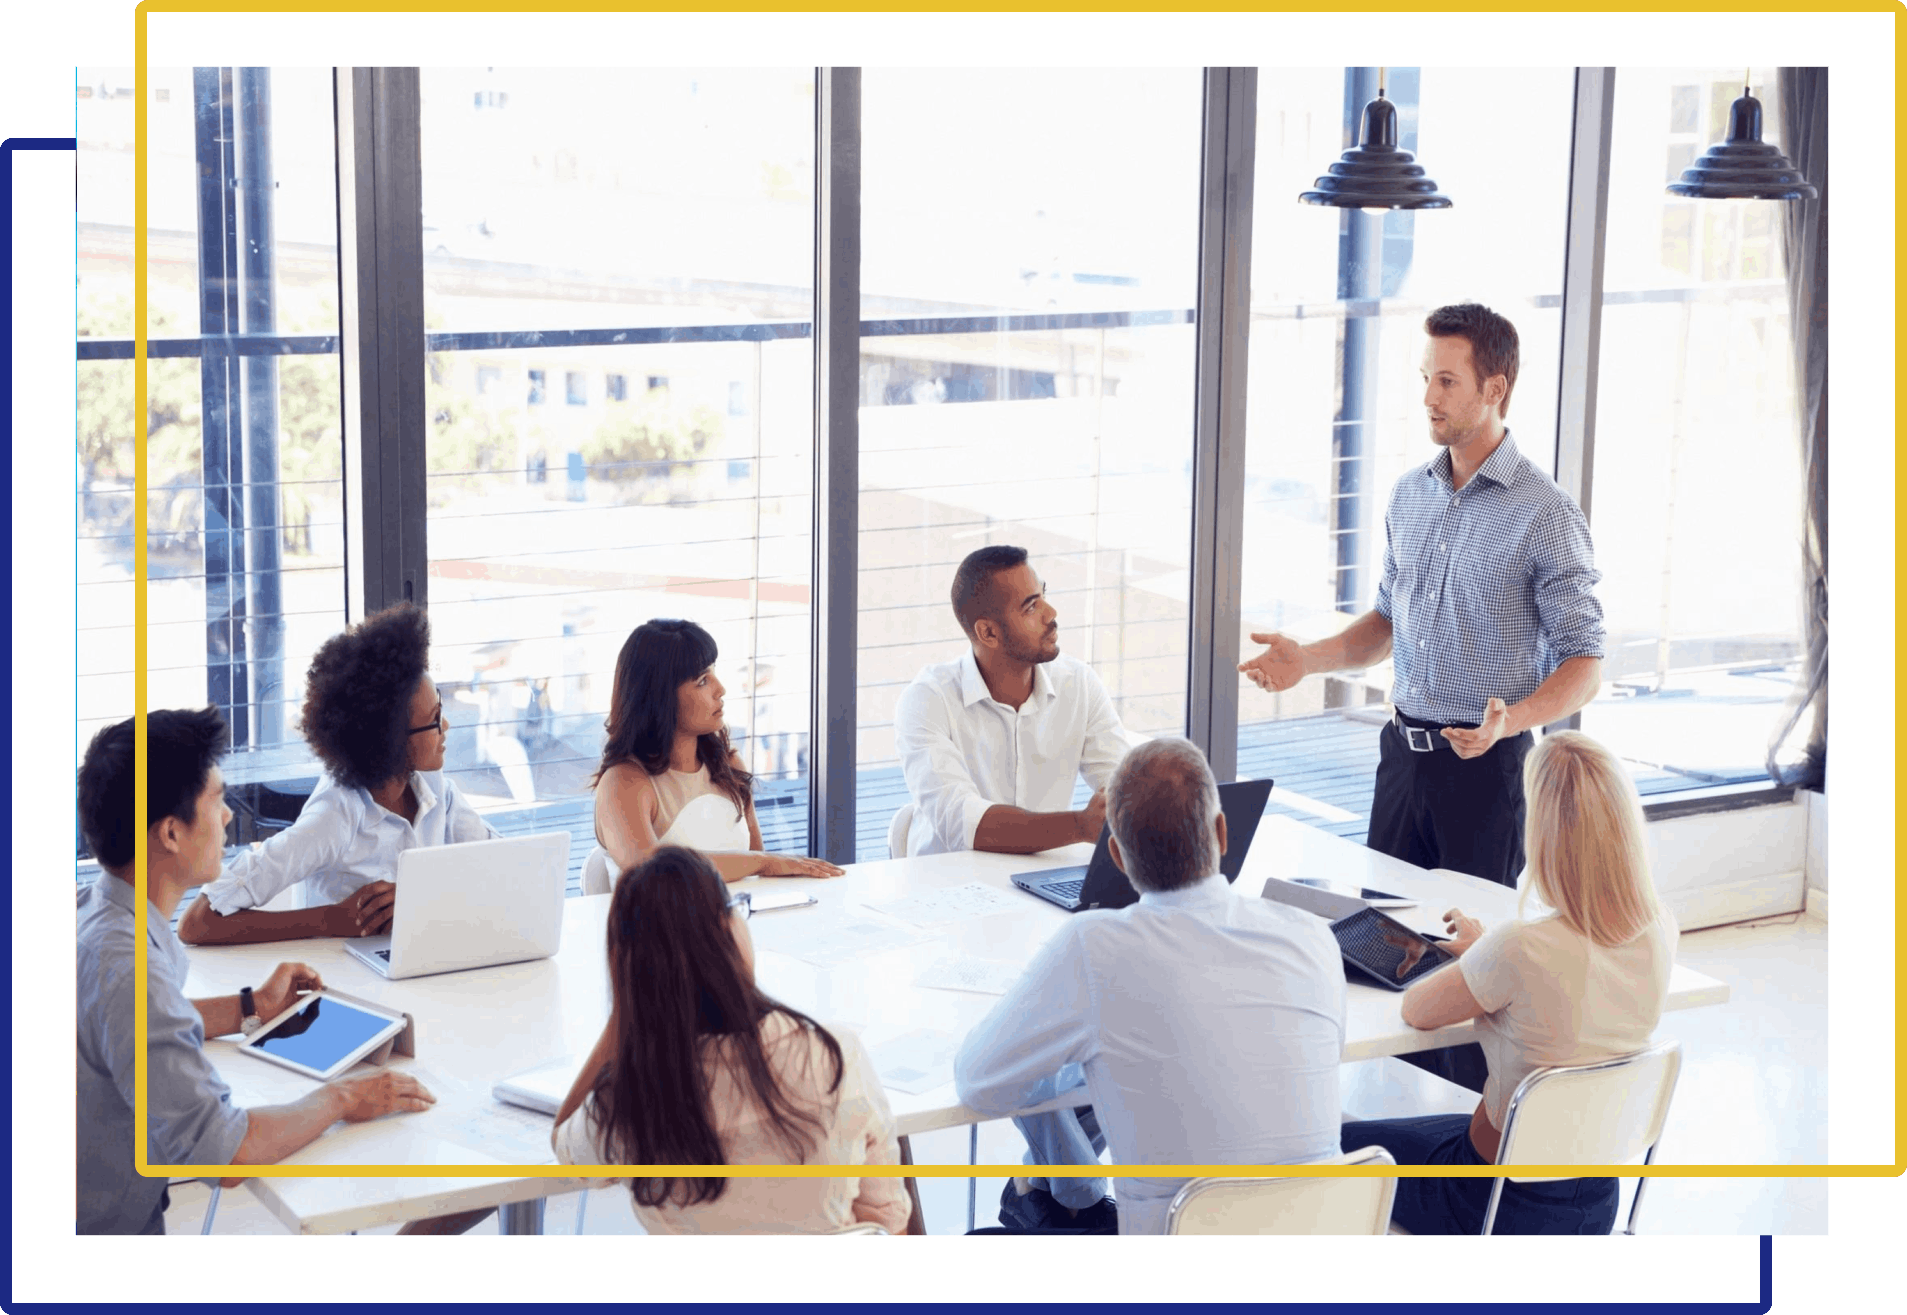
column 668, row 774
column 697, row 1066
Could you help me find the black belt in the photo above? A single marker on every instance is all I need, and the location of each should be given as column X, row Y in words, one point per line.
column 1422, row 736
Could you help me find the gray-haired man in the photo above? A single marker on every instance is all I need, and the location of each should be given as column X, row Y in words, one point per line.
column 1208, row 1024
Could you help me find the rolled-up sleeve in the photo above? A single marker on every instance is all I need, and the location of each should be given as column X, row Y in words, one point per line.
column 189, row 1111
column 1389, row 579
column 937, row 778
column 1563, row 578
column 1107, row 740
column 1041, row 1028
column 317, row 840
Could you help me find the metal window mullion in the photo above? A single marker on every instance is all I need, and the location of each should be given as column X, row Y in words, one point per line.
column 1583, row 250
column 381, row 336
column 836, row 526
column 1218, row 443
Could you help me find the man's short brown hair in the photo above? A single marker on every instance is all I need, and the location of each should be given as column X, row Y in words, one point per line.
column 1492, row 342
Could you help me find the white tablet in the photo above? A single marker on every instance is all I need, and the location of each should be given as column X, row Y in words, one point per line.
column 322, row 1036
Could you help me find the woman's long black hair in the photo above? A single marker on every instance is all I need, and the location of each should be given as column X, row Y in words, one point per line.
column 656, row 659
column 679, row 985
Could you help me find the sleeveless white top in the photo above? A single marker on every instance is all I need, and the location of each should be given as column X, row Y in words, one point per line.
column 691, row 811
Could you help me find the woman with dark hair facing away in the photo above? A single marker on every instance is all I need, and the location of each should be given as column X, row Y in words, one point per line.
column 375, row 720
column 697, row 1066
column 668, row 775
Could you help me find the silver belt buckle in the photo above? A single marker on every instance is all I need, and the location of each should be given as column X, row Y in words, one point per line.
column 1412, row 734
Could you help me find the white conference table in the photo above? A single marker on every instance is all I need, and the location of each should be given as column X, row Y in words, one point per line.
column 476, row 1027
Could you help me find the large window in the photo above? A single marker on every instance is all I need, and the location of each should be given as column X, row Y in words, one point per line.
column 618, row 283
column 1029, row 265
column 1697, row 496
column 1335, row 395
column 244, row 513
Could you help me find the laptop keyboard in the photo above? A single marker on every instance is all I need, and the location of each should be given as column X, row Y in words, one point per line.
column 1067, row 890
column 383, row 954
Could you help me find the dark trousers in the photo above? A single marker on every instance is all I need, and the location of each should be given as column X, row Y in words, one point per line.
column 1437, row 810
column 1457, row 1205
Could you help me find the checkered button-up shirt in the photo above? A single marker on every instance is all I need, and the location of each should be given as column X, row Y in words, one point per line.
column 1488, row 588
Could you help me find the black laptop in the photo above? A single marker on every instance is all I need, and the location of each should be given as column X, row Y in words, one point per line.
column 1101, row 885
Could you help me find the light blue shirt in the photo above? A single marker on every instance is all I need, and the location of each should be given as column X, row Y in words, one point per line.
column 190, row 1115
column 342, row 841
column 1208, row 1027
column 1488, row 588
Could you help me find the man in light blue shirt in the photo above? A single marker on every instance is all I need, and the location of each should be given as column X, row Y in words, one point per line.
column 190, row 1116
column 1208, row 1025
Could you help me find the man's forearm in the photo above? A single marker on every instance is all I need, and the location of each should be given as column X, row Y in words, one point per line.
column 1363, row 643
column 274, row 1131
column 202, row 925
column 1569, row 688
column 221, row 1015
column 1007, row 830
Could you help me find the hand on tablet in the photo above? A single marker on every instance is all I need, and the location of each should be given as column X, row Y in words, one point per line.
column 364, row 912
column 386, row 1091
column 1464, row 931
column 281, row 990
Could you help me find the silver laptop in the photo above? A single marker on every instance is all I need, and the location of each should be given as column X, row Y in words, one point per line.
column 473, row 906
column 1328, row 899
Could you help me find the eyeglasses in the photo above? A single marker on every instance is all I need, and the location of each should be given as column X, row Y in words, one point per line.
column 744, row 903
column 436, row 722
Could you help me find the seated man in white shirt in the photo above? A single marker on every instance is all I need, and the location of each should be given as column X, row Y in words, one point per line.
column 1208, row 1023
column 375, row 719
column 992, row 745
column 190, row 1117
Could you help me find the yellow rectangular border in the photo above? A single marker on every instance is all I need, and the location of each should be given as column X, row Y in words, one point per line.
column 141, row 1149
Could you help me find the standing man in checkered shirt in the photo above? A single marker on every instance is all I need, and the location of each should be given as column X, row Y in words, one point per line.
column 1487, row 608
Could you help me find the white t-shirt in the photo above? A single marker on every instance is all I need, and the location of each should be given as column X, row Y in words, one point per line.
column 1553, row 996
column 859, row 1130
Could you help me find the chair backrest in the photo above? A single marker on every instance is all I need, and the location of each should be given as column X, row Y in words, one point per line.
column 897, row 831
column 1608, row 1112
column 599, row 874
column 1288, row 1206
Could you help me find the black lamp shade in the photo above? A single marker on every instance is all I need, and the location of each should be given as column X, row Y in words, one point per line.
column 1743, row 168
column 1374, row 174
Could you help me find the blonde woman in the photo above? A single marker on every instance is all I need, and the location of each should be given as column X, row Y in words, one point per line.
column 1582, row 982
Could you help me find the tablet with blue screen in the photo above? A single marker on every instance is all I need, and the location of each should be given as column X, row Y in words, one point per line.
column 322, row 1036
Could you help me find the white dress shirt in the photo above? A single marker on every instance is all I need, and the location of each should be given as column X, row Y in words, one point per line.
column 344, row 840
column 963, row 752
column 1209, row 1027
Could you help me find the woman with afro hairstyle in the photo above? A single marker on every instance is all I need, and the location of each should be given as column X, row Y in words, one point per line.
column 374, row 718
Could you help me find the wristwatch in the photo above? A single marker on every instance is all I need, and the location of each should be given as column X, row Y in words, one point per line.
column 252, row 1022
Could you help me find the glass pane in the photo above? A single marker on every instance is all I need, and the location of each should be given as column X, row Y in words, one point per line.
column 1335, row 414
column 245, row 512
column 1698, row 457
column 1070, row 435
column 618, row 282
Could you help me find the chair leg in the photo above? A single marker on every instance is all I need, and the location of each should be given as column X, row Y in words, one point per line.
column 1489, row 1215
column 582, row 1207
column 211, row 1209
column 973, row 1157
column 1636, row 1203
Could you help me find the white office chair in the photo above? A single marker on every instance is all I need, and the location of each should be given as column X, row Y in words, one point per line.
column 599, row 874
column 1287, row 1206
column 856, row 1230
column 897, row 831
column 1609, row 1112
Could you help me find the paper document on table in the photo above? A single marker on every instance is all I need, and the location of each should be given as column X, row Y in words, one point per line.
column 915, row 1062
column 981, row 976
column 928, row 907
column 507, row 1132
column 854, row 939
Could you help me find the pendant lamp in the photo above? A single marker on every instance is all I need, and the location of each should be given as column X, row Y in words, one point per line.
column 1375, row 175
column 1743, row 168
